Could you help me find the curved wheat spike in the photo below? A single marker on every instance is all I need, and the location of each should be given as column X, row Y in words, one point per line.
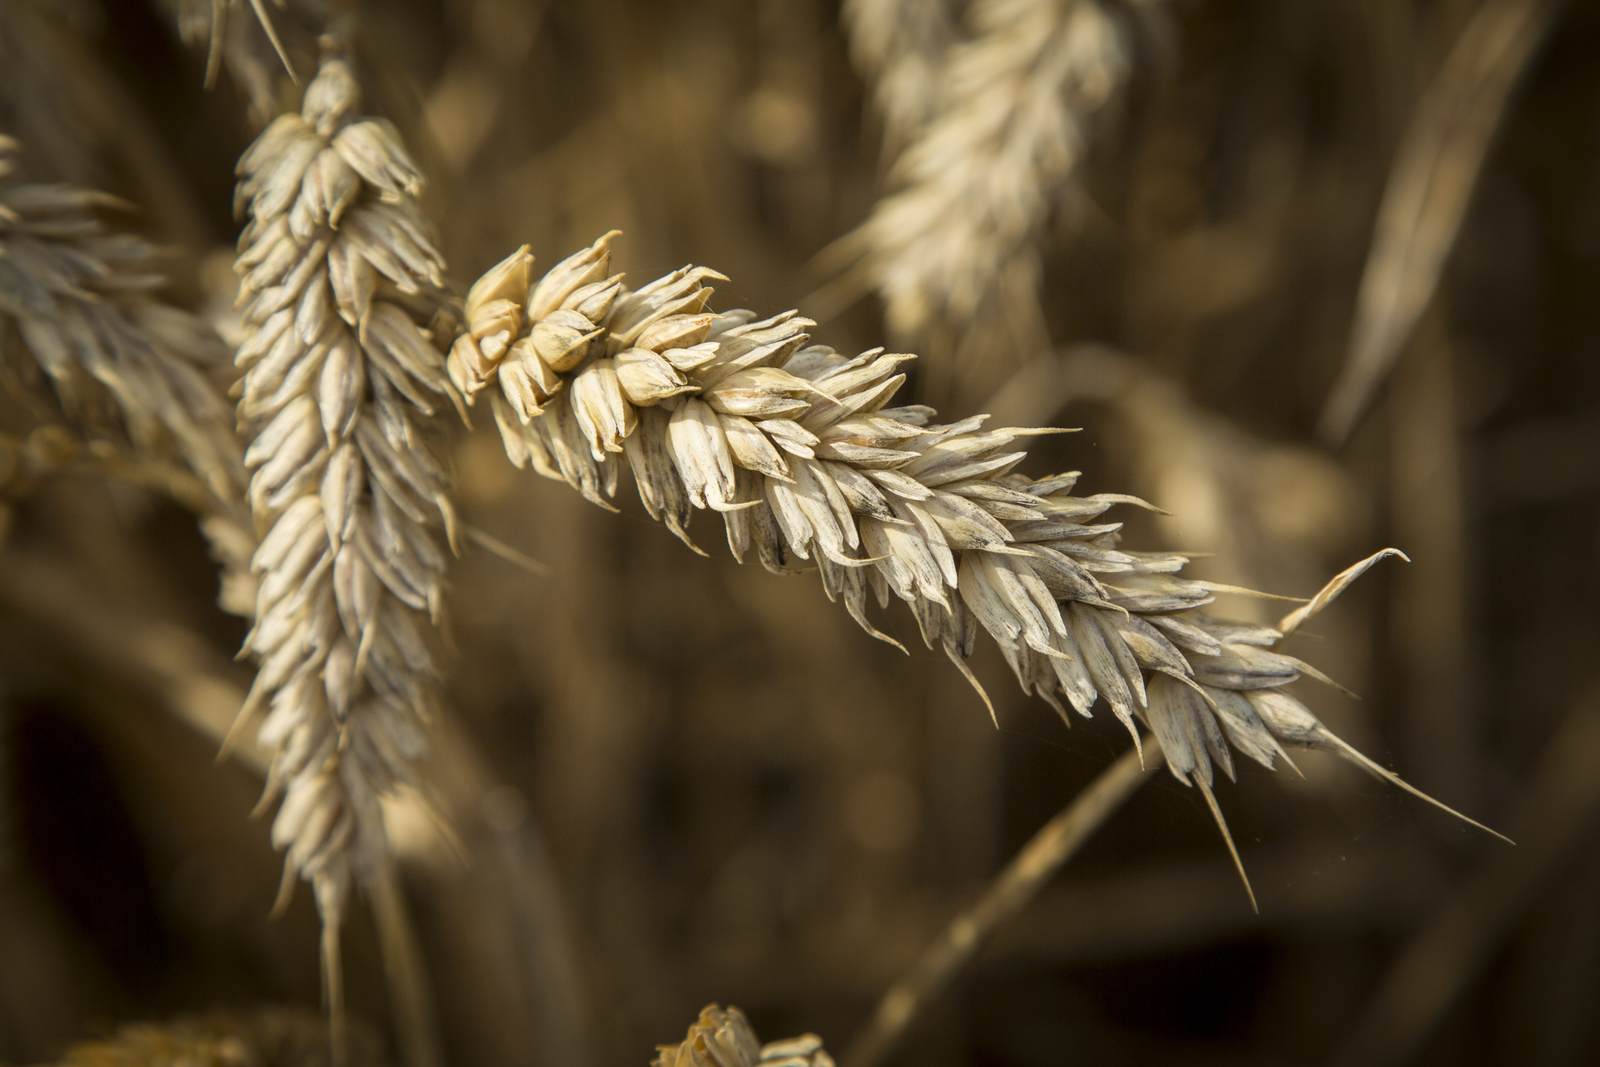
column 797, row 449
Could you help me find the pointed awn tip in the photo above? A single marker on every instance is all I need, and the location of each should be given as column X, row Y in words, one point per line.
column 1222, row 824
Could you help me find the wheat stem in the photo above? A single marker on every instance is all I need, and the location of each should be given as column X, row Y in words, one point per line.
column 1029, row 871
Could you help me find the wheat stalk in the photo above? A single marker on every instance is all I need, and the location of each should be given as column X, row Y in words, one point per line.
column 341, row 280
column 977, row 183
column 1011, row 890
column 723, row 1037
column 795, row 446
column 140, row 377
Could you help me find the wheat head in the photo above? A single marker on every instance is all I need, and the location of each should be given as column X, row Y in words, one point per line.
column 977, row 183
column 139, row 377
column 795, row 446
column 344, row 293
column 898, row 47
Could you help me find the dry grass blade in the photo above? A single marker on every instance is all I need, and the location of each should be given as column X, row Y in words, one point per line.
column 1430, row 186
column 1558, row 816
column 1340, row 582
column 1021, row 880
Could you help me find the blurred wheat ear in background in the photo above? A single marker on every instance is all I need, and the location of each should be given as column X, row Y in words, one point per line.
column 1312, row 279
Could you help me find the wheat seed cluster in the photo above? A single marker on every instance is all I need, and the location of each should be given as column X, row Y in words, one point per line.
column 798, row 450
column 980, row 176
column 343, row 293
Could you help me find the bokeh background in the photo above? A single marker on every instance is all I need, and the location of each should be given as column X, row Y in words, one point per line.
column 675, row 780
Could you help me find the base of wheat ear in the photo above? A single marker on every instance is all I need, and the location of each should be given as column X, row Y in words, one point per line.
column 795, row 446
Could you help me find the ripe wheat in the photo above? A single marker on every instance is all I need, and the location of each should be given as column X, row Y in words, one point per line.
column 978, row 181
column 795, row 447
column 344, row 293
column 138, row 376
column 899, row 48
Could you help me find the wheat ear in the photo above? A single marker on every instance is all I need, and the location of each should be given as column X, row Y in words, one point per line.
column 795, row 446
column 341, row 280
column 78, row 306
column 898, row 47
column 723, row 1037
column 978, row 181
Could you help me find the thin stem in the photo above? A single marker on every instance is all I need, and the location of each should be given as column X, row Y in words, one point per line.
column 406, row 971
column 1009, row 893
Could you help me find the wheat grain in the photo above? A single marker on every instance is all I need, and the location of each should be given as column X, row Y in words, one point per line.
column 341, row 378
column 977, row 184
column 78, row 307
column 723, row 1037
column 795, row 445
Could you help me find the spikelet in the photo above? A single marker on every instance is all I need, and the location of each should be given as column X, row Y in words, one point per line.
column 977, row 183
column 723, row 1037
column 78, row 307
column 341, row 377
column 797, row 449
